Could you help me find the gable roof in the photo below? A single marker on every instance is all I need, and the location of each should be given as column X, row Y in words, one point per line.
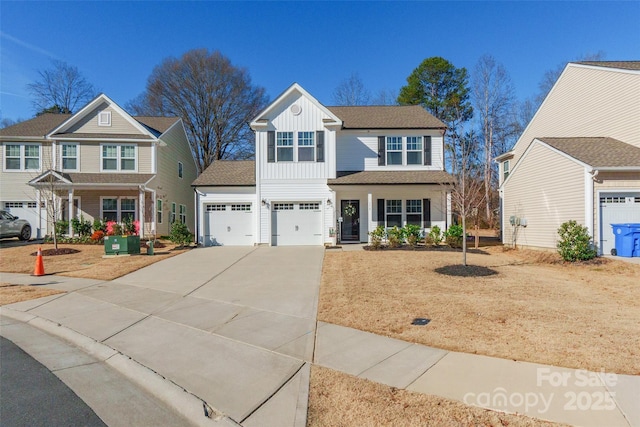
column 387, row 117
column 38, row 127
column 41, row 126
column 624, row 65
column 597, row 152
column 391, row 178
column 228, row 173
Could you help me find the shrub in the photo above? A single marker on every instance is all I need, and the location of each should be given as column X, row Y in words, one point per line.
column 395, row 236
column 113, row 229
column 453, row 236
column 130, row 227
column 97, row 236
column 377, row 236
column 61, row 227
column 99, row 225
column 80, row 226
column 180, row 234
column 575, row 242
column 435, row 235
column 412, row 234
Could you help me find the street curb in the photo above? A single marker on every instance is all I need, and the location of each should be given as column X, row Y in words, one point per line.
column 175, row 397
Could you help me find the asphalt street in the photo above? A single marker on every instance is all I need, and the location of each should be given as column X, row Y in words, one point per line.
column 30, row 395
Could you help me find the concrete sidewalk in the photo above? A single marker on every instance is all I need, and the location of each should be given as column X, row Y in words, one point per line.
column 561, row 395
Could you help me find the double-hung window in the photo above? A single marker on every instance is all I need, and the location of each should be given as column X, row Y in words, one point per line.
column 70, row 157
column 159, row 209
column 172, row 217
column 118, row 208
column 414, row 212
column 119, row 157
column 505, row 169
column 394, row 213
column 306, row 147
column 394, row 150
column 414, row 150
column 284, row 145
column 110, row 209
column 127, row 209
column 183, row 214
column 22, row 157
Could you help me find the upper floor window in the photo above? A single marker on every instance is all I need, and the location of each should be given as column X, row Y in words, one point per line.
column 394, row 150
column 414, row 150
column 69, row 156
column 505, row 169
column 22, row 157
column 284, row 142
column 104, row 118
column 120, row 157
column 306, row 147
column 180, row 167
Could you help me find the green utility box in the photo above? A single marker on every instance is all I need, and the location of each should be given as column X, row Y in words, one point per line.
column 121, row 245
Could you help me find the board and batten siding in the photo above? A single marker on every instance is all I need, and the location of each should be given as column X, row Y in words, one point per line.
column 609, row 107
column 358, row 150
column 14, row 185
column 295, row 191
column 168, row 186
column 310, row 119
column 89, row 123
column 547, row 189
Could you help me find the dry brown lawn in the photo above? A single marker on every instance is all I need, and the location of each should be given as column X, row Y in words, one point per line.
column 88, row 263
column 10, row 294
column 337, row 399
column 534, row 309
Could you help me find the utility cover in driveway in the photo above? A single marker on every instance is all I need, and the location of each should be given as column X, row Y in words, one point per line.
column 296, row 223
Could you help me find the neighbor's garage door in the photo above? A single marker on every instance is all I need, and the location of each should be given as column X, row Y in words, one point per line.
column 228, row 224
column 616, row 209
column 28, row 211
column 296, row 223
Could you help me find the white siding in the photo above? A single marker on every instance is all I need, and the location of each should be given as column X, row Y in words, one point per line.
column 358, row 150
column 588, row 101
column 309, row 119
column 546, row 189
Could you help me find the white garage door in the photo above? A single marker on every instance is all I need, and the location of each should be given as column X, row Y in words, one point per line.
column 28, row 211
column 616, row 209
column 228, row 224
column 296, row 223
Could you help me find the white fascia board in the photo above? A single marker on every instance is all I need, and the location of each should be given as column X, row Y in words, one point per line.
column 619, row 169
column 35, row 181
column 504, row 156
column 295, row 87
column 90, row 106
column 105, row 140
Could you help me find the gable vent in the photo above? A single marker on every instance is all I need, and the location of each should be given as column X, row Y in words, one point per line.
column 104, row 118
column 295, row 109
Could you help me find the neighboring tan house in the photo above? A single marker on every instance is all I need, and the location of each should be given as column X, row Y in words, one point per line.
column 578, row 159
column 327, row 174
column 98, row 163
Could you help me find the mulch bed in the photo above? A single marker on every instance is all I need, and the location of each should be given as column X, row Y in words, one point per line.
column 54, row 252
column 466, row 271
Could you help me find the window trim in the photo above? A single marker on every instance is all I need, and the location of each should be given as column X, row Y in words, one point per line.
column 419, row 212
column 506, row 166
column 183, row 214
column 312, row 147
column 390, row 151
column 420, row 139
column 77, row 156
column 172, row 214
column 119, row 206
column 159, row 211
column 118, row 158
column 279, row 146
column 22, row 158
column 104, row 119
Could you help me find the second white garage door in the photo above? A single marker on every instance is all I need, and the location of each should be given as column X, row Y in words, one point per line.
column 228, row 224
column 296, row 223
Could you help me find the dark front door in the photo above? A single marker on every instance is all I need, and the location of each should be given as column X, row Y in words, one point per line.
column 350, row 212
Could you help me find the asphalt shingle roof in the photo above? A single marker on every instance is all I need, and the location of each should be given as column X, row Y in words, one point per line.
column 391, row 178
column 386, row 117
column 597, row 151
column 228, row 173
column 625, row 65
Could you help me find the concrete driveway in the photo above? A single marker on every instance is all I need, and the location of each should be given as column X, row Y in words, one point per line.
column 234, row 326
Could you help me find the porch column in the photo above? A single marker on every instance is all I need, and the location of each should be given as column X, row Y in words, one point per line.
column 448, row 210
column 370, row 226
column 141, row 210
column 71, row 212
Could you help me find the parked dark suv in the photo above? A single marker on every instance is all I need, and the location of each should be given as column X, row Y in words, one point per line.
column 12, row 226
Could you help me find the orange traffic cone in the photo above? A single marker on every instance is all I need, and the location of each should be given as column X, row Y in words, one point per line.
column 39, row 270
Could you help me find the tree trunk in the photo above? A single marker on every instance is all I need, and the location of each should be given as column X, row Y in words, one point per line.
column 464, row 240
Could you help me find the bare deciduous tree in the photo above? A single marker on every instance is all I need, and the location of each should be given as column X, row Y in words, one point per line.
column 351, row 91
column 61, row 89
column 214, row 98
column 385, row 97
column 493, row 96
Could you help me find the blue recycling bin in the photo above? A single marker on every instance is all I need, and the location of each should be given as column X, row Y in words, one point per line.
column 627, row 239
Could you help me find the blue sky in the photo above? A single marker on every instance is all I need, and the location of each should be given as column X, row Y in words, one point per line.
column 317, row 44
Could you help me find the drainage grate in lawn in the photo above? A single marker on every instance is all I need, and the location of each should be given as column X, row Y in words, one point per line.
column 420, row 321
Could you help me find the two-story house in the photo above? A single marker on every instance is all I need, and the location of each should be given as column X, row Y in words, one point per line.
column 98, row 163
column 327, row 174
column 578, row 159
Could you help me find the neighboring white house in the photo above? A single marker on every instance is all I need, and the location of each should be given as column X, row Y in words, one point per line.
column 103, row 163
column 579, row 158
column 327, row 174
